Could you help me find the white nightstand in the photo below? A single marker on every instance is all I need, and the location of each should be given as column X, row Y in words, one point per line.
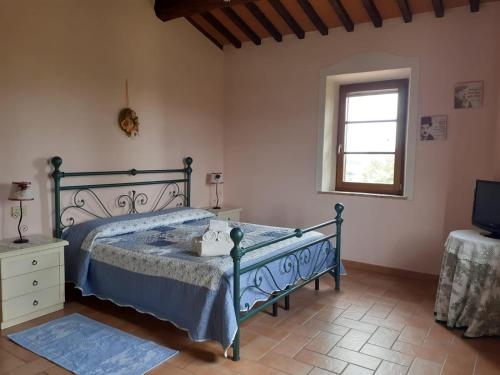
column 31, row 279
column 226, row 213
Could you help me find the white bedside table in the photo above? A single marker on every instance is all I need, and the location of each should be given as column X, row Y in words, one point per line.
column 226, row 213
column 31, row 279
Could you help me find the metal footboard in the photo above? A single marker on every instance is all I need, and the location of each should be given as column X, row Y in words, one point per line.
column 292, row 259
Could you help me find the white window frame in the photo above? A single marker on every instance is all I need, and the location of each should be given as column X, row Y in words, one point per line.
column 357, row 69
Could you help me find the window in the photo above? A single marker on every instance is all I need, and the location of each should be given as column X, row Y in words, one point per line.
column 371, row 137
column 367, row 73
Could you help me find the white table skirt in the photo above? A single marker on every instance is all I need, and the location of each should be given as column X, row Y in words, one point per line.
column 468, row 294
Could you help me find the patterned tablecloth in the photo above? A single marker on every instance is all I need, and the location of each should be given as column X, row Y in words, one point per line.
column 468, row 294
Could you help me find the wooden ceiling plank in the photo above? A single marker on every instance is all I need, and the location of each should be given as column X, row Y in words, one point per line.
column 474, row 5
column 264, row 21
column 313, row 16
column 204, row 32
column 287, row 17
column 238, row 21
column 373, row 12
column 404, row 7
column 342, row 14
column 438, row 8
column 209, row 17
column 170, row 9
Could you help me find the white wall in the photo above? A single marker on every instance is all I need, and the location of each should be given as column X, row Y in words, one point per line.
column 62, row 73
column 62, row 76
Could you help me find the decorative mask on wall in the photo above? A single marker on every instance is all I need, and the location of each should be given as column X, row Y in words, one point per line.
column 129, row 122
column 127, row 118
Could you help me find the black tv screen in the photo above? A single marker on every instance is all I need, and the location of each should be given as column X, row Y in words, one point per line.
column 486, row 212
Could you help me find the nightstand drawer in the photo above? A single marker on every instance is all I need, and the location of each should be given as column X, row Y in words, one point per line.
column 30, row 303
column 230, row 216
column 31, row 282
column 226, row 213
column 23, row 264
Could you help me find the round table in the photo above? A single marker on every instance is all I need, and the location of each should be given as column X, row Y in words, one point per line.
column 468, row 293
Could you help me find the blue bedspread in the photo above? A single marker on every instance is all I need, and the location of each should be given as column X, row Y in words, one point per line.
column 145, row 261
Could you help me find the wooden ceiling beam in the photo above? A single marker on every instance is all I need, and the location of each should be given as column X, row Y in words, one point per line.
column 342, row 14
column 170, row 9
column 209, row 17
column 288, row 18
column 438, row 8
column 373, row 12
column 204, row 32
column 264, row 21
column 313, row 16
column 474, row 5
column 238, row 21
column 404, row 7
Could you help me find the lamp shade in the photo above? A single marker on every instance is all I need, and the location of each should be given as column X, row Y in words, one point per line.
column 21, row 191
column 216, row 178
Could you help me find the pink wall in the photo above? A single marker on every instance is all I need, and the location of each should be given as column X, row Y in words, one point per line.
column 271, row 124
column 62, row 74
column 497, row 146
column 62, row 83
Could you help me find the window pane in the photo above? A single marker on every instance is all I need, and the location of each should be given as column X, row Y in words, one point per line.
column 371, row 169
column 371, row 137
column 372, row 107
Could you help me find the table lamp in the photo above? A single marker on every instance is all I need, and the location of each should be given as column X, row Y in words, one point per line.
column 21, row 191
column 216, row 178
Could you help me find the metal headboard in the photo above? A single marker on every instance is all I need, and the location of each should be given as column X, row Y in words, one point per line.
column 131, row 200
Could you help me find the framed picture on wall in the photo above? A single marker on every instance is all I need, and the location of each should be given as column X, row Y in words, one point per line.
column 469, row 94
column 433, row 128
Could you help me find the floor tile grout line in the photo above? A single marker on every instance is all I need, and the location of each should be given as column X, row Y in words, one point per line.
column 442, row 366
column 476, row 360
column 368, row 355
column 388, row 360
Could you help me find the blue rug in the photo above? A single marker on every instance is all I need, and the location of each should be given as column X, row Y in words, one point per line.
column 84, row 346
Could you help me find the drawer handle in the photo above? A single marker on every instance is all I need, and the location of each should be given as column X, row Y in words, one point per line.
column 35, row 283
column 35, row 303
column 34, row 262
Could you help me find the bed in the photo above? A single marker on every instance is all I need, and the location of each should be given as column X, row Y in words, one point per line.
column 144, row 259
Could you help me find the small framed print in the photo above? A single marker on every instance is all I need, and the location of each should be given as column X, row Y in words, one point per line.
column 434, row 128
column 469, row 94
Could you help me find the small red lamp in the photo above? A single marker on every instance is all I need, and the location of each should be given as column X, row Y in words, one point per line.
column 216, row 178
column 21, row 191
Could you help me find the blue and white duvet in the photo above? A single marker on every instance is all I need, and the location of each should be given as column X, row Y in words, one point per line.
column 145, row 261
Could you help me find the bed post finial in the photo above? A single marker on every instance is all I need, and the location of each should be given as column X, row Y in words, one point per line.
column 56, row 161
column 236, row 254
column 236, row 236
column 188, row 161
column 339, row 208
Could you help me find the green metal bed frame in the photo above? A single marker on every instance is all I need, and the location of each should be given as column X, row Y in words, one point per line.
column 291, row 259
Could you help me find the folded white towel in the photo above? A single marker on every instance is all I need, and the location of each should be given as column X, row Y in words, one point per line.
column 216, row 241
column 216, row 236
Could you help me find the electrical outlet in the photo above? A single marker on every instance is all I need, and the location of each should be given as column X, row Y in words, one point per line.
column 15, row 212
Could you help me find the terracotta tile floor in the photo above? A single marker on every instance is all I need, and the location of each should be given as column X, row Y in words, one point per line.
column 377, row 324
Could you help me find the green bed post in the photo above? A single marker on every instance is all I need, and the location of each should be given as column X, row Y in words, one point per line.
column 189, row 170
column 339, row 207
column 57, row 162
column 236, row 254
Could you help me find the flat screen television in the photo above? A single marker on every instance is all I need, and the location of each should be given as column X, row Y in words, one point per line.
column 486, row 211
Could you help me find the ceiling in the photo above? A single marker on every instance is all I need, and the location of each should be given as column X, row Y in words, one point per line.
column 237, row 21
